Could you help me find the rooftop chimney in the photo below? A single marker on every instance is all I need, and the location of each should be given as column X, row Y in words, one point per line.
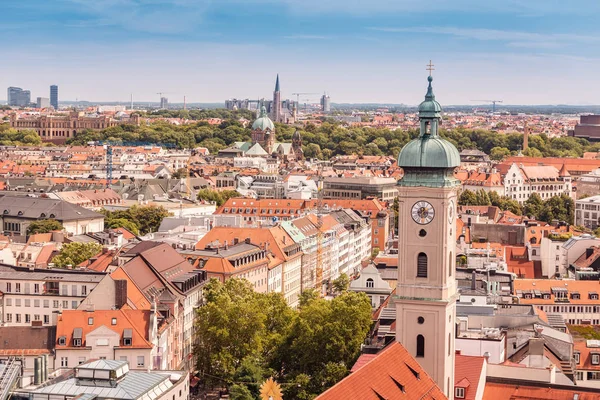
column 120, row 293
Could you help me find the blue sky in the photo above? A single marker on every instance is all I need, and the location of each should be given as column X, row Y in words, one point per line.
column 519, row 51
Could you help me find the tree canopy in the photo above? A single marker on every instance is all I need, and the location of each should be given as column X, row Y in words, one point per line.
column 146, row 219
column 245, row 337
column 75, row 253
column 329, row 139
column 44, row 226
column 219, row 197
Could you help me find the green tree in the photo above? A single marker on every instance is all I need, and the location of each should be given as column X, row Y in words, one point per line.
column 44, row 226
column 482, row 198
column 533, row 205
column 499, row 153
column 339, row 326
column 122, row 223
column 75, row 253
column 559, row 208
column 148, row 218
column 467, row 198
column 341, row 283
column 219, row 197
column 240, row 392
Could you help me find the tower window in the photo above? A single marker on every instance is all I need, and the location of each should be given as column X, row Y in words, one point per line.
column 370, row 283
column 422, row 233
column 420, row 320
column 450, row 265
column 420, row 346
column 422, row 265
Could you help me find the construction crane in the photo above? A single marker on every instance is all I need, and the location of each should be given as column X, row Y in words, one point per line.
column 493, row 102
column 109, row 164
column 301, row 94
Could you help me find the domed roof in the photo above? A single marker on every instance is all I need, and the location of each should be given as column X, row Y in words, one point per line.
column 263, row 122
column 430, row 152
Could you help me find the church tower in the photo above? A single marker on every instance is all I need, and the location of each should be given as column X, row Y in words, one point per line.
column 277, row 102
column 426, row 291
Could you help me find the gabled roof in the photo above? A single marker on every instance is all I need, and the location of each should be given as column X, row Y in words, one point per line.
column 467, row 374
column 393, row 374
column 77, row 323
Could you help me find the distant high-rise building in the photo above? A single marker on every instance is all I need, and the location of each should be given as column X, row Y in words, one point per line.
column 325, row 103
column 18, row 97
column 43, row 102
column 54, row 96
column 164, row 103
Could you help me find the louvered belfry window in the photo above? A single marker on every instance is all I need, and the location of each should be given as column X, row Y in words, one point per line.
column 422, row 265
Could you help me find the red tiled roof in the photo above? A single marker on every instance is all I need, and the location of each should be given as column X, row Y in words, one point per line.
column 501, row 391
column 467, row 374
column 384, row 377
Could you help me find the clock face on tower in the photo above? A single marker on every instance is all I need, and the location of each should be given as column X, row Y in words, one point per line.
column 451, row 208
column 422, row 212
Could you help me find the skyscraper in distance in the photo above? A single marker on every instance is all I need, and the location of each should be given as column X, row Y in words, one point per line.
column 54, row 96
column 18, row 97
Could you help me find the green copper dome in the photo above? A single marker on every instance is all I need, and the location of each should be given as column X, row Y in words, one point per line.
column 429, row 160
column 263, row 122
column 429, row 152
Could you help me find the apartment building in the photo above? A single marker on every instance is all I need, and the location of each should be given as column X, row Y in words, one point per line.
column 285, row 260
column 35, row 297
column 587, row 212
column 577, row 302
column 360, row 188
column 123, row 335
column 520, row 181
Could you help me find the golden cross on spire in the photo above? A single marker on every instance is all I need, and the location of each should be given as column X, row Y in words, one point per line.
column 430, row 67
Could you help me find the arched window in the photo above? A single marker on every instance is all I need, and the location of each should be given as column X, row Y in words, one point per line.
column 370, row 283
column 422, row 265
column 450, row 264
column 420, row 346
column 533, row 252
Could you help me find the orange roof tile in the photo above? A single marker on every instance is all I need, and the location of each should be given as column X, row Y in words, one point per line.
column 467, row 374
column 136, row 320
column 384, row 377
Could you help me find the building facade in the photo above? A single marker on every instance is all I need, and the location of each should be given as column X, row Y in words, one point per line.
column 59, row 128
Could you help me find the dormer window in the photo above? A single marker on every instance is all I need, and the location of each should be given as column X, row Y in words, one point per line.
column 575, row 296
column 546, row 296
column 576, row 357
column 62, row 341
column 459, row 393
column 593, row 295
column 595, row 359
column 127, row 337
column 113, row 321
column 91, row 321
column 77, row 337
